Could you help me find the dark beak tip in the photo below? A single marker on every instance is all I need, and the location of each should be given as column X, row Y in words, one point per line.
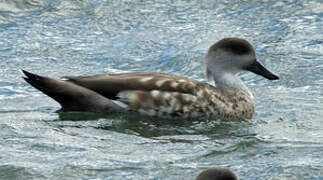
column 275, row 77
column 259, row 69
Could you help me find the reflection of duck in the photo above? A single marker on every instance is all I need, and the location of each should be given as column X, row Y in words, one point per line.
column 217, row 174
column 159, row 94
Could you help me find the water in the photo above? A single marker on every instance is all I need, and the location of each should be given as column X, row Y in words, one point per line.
column 56, row 38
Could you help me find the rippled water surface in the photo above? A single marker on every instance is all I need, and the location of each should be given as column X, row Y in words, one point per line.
column 56, row 38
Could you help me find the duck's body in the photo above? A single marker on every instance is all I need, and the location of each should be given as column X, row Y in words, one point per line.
column 159, row 94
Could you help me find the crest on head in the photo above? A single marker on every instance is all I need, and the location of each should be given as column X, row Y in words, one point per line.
column 236, row 46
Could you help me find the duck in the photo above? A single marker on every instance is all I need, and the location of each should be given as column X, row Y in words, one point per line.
column 217, row 174
column 165, row 95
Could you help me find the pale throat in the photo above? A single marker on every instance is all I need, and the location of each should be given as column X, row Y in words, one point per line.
column 228, row 80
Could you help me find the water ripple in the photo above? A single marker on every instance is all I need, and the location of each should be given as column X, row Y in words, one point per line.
column 55, row 38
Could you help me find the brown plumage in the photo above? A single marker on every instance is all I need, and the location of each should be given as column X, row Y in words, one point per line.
column 160, row 94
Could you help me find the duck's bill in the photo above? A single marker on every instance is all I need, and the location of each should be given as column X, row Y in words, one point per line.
column 259, row 69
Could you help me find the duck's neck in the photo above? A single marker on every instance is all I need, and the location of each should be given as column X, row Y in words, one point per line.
column 238, row 97
column 229, row 80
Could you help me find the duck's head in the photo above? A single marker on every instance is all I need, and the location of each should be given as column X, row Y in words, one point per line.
column 231, row 56
column 217, row 174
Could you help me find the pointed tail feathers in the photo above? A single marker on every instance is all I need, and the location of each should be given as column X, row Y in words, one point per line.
column 70, row 96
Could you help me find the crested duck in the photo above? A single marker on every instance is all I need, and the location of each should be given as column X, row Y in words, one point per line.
column 161, row 94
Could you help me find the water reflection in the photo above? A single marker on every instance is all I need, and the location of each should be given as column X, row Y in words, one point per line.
column 145, row 126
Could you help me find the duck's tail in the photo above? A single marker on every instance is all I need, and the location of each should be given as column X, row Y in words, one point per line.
column 70, row 96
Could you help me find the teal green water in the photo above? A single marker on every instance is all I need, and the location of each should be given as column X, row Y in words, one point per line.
column 57, row 38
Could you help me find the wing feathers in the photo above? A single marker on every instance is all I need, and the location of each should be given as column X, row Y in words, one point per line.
column 159, row 103
column 109, row 85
